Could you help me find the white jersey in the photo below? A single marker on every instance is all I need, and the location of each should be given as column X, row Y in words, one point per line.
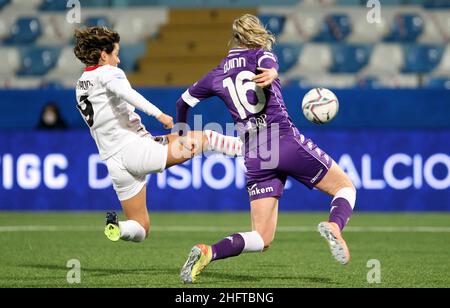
column 107, row 103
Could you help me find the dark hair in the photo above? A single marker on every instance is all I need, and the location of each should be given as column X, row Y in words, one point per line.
column 90, row 42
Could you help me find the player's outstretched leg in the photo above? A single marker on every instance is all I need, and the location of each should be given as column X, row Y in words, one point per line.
column 227, row 145
column 264, row 220
column 337, row 184
column 183, row 148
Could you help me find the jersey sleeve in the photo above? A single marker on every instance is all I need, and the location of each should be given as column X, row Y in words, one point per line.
column 267, row 59
column 200, row 90
column 113, row 73
column 182, row 111
column 116, row 82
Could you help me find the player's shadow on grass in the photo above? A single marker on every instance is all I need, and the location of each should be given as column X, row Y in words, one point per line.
column 215, row 275
column 257, row 278
column 107, row 271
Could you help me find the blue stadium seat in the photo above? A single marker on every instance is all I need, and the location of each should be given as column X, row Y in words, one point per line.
column 437, row 3
column 287, row 55
column 421, row 58
column 59, row 5
column 349, row 58
column 335, row 28
column 26, row 30
column 405, row 28
column 216, row 3
column 414, row 2
column 348, row 2
column 130, row 3
column 53, row 5
column 96, row 3
column 129, row 55
column 392, row 2
column 92, row 21
column 3, row 3
column 37, row 61
column 438, row 83
column 273, row 23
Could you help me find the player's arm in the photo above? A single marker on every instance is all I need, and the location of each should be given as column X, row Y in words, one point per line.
column 182, row 110
column 268, row 65
column 192, row 96
column 119, row 85
column 209, row 140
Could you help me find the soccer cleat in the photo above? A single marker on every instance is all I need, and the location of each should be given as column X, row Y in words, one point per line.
column 337, row 244
column 112, row 230
column 199, row 257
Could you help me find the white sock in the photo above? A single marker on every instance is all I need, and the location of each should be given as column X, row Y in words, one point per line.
column 253, row 241
column 131, row 230
column 348, row 194
column 228, row 145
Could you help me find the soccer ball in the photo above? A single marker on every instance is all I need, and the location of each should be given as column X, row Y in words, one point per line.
column 320, row 105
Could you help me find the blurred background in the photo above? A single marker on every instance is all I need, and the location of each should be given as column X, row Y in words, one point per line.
column 392, row 78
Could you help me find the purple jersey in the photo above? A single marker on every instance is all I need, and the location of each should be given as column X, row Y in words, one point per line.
column 251, row 107
column 257, row 113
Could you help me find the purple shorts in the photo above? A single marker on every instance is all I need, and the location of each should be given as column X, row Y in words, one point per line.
column 296, row 156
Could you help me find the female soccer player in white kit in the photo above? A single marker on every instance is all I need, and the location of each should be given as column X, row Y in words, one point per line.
column 107, row 102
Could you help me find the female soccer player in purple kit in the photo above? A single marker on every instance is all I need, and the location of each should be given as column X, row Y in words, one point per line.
column 274, row 148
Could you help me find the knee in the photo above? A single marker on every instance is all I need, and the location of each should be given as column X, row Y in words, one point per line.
column 336, row 180
column 343, row 184
column 346, row 184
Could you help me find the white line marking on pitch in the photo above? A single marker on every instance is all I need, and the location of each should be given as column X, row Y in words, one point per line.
column 378, row 229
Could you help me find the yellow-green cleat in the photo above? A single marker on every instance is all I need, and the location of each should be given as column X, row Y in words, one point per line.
column 199, row 257
column 112, row 230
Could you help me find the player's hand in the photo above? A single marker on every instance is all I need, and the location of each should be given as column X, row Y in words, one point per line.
column 266, row 77
column 166, row 120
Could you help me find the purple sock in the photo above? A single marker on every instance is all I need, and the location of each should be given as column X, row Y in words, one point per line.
column 341, row 212
column 228, row 247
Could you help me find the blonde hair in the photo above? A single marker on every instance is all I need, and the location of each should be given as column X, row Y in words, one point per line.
column 248, row 31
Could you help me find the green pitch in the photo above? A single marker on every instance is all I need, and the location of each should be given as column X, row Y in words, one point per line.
column 413, row 250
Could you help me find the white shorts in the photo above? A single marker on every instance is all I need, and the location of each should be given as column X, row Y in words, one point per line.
column 129, row 168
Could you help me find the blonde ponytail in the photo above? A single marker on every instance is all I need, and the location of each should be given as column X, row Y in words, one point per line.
column 248, row 31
